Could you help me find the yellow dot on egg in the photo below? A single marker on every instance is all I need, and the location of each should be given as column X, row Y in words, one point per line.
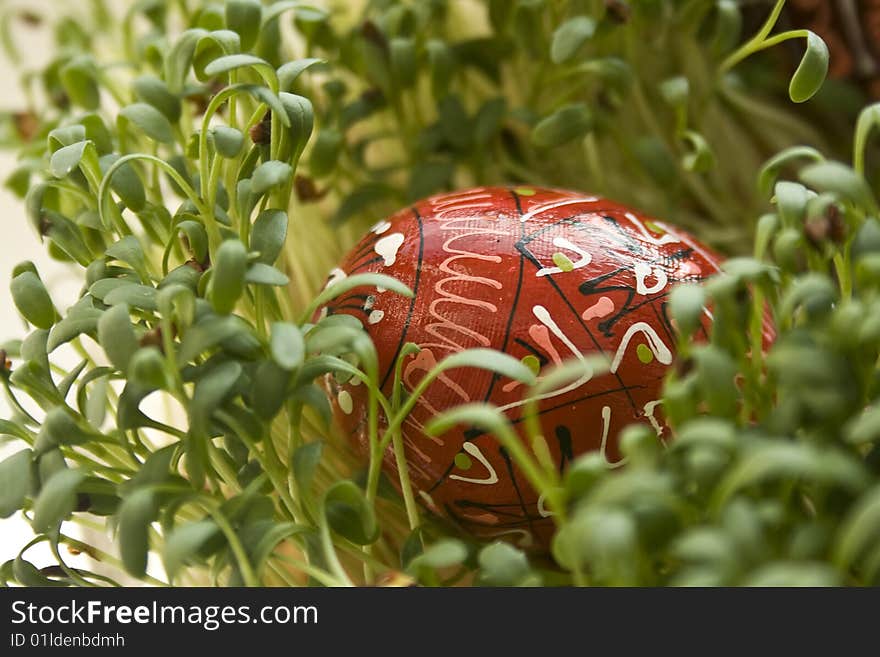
column 525, row 191
column 644, row 353
column 463, row 461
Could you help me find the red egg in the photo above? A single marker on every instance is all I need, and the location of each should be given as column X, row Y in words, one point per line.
column 544, row 275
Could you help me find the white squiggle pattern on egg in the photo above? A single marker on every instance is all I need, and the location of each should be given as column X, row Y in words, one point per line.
column 525, row 537
column 543, row 511
column 696, row 246
column 474, row 451
column 643, row 270
column 556, row 204
column 649, row 413
column 606, row 424
column 660, row 350
column 388, row 246
column 543, row 316
column 448, row 331
column 380, row 227
column 335, row 276
column 668, row 238
column 562, row 243
column 428, row 500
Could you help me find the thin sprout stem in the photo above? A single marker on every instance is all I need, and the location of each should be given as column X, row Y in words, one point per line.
column 103, row 557
column 241, row 557
column 331, row 556
column 756, row 42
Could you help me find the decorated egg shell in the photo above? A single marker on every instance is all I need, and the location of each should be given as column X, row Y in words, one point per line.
column 544, row 275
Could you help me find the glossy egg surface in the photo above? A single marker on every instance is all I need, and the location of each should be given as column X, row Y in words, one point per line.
column 544, row 275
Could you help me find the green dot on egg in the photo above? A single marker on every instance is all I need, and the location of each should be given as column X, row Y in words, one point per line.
column 644, row 353
column 525, row 191
column 463, row 461
column 563, row 261
column 532, row 363
column 652, row 226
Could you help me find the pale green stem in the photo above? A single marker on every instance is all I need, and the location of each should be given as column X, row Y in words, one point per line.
column 244, row 565
column 755, row 43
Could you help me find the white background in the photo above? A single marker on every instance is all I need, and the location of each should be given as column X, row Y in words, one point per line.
column 18, row 242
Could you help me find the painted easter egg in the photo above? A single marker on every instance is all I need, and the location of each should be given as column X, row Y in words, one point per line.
column 544, row 275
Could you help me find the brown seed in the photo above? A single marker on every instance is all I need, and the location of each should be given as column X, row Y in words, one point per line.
column 836, row 224
column 84, row 549
column 306, row 190
column 152, row 338
column 60, row 99
column 373, row 96
column 30, row 18
column 200, row 98
column 83, row 502
column 45, row 225
column 606, row 100
column 373, row 34
column 816, row 230
column 618, row 10
column 26, row 125
column 199, row 103
column 393, row 578
column 261, row 133
column 194, row 264
column 683, row 366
